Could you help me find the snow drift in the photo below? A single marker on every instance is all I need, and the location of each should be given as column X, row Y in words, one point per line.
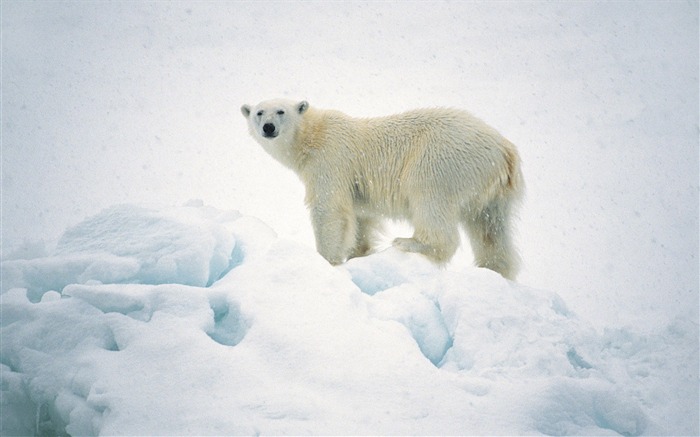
column 192, row 320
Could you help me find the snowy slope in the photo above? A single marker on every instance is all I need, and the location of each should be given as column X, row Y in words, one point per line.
column 117, row 335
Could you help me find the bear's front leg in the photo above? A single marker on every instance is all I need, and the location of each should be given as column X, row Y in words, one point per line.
column 335, row 230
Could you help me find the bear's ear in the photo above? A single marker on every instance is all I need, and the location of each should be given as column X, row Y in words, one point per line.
column 302, row 106
column 245, row 110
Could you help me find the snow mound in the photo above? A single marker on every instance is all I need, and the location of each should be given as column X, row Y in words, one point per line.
column 190, row 320
column 130, row 244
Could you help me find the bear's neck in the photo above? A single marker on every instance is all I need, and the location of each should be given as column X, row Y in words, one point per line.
column 297, row 152
column 307, row 138
column 283, row 150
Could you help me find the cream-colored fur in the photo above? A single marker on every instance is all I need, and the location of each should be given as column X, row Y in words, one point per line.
column 436, row 168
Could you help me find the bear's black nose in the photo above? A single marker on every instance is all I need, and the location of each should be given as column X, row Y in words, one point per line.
column 269, row 128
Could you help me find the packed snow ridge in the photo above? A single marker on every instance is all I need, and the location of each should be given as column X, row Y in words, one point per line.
column 192, row 320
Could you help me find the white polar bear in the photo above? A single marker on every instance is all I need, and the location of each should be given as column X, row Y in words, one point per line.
column 436, row 168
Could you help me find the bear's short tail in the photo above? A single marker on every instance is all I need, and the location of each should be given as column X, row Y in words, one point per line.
column 514, row 184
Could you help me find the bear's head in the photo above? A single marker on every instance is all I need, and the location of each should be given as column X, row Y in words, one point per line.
column 273, row 119
column 274, row 124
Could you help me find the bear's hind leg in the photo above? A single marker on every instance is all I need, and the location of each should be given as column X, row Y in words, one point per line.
column 489, row 231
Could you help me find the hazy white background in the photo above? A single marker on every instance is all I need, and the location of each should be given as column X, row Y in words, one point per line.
column 105, row 103
column 138, row 102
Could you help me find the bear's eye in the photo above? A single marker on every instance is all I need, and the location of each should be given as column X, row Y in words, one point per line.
column 280, row 112
column 260, row 113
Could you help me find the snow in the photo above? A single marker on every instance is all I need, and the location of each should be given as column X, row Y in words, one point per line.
column 131, row 244
column 284, row 343
column 128, row 308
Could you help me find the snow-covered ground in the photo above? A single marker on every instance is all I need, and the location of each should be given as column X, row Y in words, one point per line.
column 128, row 308
column 195, row 321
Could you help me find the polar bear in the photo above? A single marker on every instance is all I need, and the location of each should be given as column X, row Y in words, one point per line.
column 436, row 168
